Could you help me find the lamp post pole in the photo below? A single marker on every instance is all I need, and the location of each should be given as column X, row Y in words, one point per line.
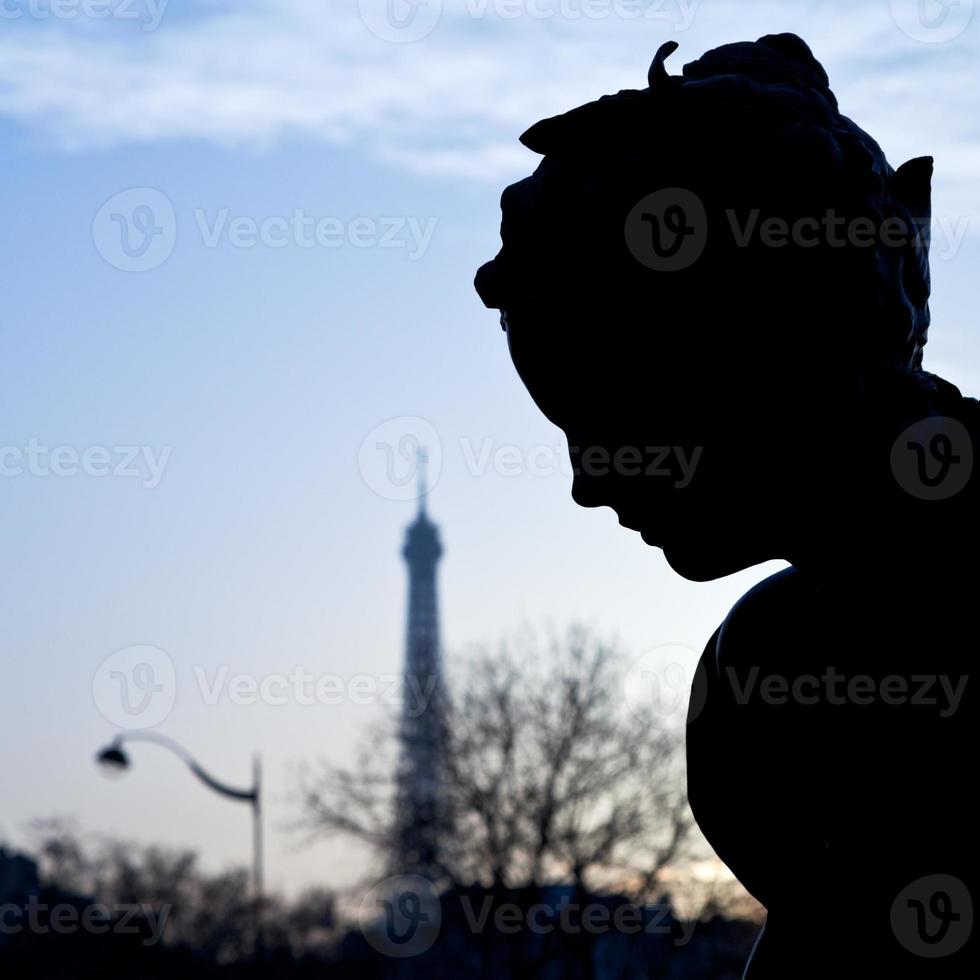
column 258, row 865
column 114, row 757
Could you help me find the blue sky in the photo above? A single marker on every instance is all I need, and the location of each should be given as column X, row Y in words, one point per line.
column 257, row 373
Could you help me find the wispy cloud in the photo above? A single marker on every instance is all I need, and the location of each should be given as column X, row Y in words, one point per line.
column 452, row 100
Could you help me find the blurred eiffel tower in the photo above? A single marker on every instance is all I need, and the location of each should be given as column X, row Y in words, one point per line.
column 423, row 713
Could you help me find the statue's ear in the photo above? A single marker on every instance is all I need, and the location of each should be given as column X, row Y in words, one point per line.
column 912, row 185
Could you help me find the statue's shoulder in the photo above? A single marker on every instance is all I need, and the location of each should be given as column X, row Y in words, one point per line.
column 769, row 620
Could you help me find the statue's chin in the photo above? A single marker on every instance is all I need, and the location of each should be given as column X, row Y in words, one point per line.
column 702, row 562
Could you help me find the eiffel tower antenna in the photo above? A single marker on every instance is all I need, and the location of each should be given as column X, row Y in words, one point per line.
column 423, row 471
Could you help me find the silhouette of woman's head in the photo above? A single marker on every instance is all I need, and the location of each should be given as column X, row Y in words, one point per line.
column 701, row 283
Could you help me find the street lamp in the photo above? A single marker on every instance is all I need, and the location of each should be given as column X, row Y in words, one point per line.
column 114, row 758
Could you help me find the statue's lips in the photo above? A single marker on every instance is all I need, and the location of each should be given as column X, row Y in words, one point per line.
column 652, row 537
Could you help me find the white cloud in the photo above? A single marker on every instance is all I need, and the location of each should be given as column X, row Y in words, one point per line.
column 453, row 102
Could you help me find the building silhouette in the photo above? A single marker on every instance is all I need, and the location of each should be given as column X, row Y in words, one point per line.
column 423, row 714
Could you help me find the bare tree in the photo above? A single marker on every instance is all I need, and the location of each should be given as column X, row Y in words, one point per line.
column 210, row 913
column 548, row 777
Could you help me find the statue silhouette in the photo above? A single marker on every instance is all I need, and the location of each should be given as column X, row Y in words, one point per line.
column 718, row 288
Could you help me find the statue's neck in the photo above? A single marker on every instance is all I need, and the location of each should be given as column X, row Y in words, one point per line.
column 907, row 488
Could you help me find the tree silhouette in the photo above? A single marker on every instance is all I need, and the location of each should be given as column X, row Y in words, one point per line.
column 548, row 777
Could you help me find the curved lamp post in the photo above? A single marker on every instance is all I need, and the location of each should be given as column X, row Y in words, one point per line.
column 114, row 757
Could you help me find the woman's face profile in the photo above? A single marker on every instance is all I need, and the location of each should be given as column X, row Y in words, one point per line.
column 693, row 466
